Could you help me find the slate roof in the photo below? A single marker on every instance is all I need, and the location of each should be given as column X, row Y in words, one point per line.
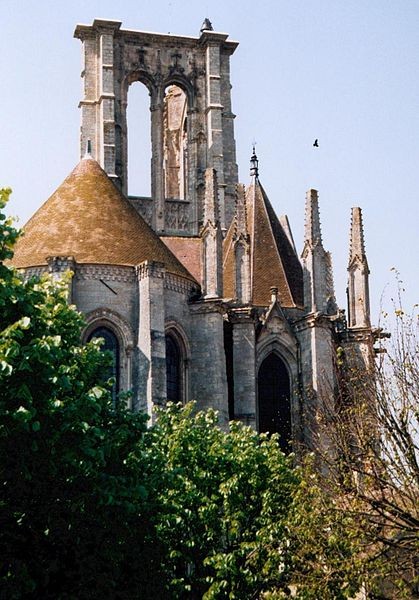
column 88, row 218
column 273, row 259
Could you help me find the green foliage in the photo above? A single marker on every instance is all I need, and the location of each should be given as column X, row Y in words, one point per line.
column 224, row 498
column 72, row 496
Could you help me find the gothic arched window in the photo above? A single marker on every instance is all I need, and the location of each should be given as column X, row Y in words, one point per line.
column 173, row 370
column 274, row 406
column 110, row 344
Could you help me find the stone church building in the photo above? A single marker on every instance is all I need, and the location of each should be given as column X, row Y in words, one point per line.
column 198, row 290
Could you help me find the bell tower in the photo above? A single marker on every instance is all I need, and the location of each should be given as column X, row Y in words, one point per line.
column 192, row 124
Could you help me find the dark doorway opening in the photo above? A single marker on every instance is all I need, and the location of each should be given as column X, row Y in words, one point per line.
column 274, row 406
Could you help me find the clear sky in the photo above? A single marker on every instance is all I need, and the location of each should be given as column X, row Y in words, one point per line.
column 343, row 71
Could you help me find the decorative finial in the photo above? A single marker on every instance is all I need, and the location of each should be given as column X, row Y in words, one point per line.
column 88, row 149
column 274, row 294
column 206, row 25
column 254, row 163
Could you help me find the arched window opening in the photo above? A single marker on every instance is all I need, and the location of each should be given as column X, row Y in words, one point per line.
column 274, row 406
column 175, row 143
column 139, row 140
column 173, row 370
column 111, row 345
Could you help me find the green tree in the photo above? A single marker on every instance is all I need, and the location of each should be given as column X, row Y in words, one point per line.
column 238, row 519
column 224, row 498
column 73, row 504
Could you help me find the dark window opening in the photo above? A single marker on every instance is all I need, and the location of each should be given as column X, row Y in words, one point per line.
column 228, row 349
column 173, row 370
column 111, row 345
column 274, row 407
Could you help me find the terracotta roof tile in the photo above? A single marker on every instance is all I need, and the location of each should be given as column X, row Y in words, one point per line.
column 188, row 251
column 88, row 218
column 274, row 261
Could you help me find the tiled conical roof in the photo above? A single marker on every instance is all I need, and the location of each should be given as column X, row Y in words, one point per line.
column 273, row 260
column 89, row 219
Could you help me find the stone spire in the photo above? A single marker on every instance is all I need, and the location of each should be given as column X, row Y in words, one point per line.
column 358, row 272
column 313, row 234
column 212, row 240
column 318, row 277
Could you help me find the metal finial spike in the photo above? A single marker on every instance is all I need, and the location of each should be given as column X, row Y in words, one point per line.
column 254, row 163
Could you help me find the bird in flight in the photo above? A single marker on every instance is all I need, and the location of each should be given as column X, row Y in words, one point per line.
column 316, row 143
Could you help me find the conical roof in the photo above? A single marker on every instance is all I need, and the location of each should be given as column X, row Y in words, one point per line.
column 273, row 260
column 88, row 218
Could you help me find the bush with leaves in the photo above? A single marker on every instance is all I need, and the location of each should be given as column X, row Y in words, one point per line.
column 72, row 495
column 224, row 498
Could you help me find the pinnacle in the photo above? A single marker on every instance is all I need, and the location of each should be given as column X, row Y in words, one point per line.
column 357, row 243
column 313, row 232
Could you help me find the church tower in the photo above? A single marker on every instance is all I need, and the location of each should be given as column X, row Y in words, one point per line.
column 198, row 290
column 188, row 80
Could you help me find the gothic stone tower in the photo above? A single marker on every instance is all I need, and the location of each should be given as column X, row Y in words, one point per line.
column 198, row 291
column 191, row 124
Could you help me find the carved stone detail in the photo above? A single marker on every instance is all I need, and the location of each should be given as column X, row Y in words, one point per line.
column 179, row 284
column 110, row 273
column 177, row 215
column 34, row 272
column 150, row 268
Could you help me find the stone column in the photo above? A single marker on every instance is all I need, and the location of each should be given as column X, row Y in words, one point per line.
column 151, row 335
column 208, row 362
column 192, row 191
column 212, row 240
column 244, row 365
column 157, row 163
column 317, row 356
column 214, row 110
column 98, row 104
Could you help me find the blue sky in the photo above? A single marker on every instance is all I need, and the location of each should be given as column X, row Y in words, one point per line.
column 343, row 71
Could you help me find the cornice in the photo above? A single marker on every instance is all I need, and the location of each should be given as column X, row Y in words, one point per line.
column 179, row 284
column 109, row 272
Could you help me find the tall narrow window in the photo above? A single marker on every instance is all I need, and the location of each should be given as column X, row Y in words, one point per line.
column 274, row 407
column 110, row 344
column 173, row 370
column 139, row 140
